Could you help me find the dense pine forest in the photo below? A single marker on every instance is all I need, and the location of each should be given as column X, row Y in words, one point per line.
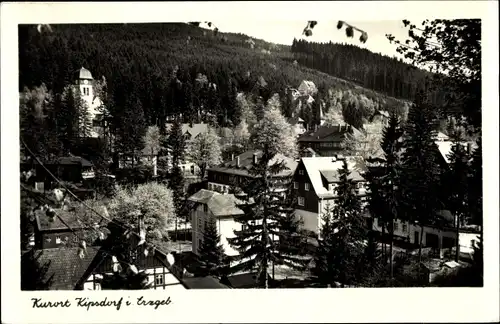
column 164, row 65
column 370, row 70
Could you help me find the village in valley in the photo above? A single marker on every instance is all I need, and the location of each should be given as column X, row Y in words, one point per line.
column 177, row 156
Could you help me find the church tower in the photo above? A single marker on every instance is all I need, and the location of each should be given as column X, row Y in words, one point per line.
column 84, row 83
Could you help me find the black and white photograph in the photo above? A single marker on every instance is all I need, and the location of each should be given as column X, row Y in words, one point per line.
column 226, row 154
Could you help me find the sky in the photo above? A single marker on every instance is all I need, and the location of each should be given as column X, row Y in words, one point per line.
column 283, row 32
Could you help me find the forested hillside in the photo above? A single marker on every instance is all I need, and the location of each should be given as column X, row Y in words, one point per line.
column 167, row 68
column 374, row 71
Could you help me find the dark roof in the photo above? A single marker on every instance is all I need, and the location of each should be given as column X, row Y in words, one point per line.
column 46, row 223
column 64, row 267
column 326, row 133
column 242, row 280
column 219, row 204
column 246, row 162
column 83, row 73
column 203, row 283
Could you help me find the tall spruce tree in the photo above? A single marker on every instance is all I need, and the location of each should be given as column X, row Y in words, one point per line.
column 264, row 223
column 391, row 180
column 457, row 182
column 233, row 108
column 343, row 232
column 175, row 143
column 84, row 117
column 211, row 253
column 132, row 128
column 421, row 183
column 178, row 184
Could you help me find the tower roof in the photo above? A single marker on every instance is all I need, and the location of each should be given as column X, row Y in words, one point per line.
column 84, row 74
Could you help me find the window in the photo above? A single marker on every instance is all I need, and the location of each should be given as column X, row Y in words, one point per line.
column 159, row 279
column 58, row 240
column 301, row 172
column 244, row 227
column 405, row 228
column 97, row 286
column 306, row 187
column 396, row 226
column 192, row 169
column 205, row 208
column 301, row 201
column 359, row 185
column 295, row 185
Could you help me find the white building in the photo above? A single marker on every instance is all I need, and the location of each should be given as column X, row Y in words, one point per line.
column 219, row 207
column 84, row 83
column 314, row 183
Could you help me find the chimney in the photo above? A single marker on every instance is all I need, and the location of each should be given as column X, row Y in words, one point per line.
column 232, row 156
column 238, row 161
column 255, row 158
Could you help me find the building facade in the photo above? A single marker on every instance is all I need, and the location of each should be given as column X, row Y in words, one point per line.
column 326, row 140
column 213, row 206
column 232, row 175
column 314, row 184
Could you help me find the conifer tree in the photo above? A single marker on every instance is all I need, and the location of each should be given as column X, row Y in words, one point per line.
column 264, row 223
column 233, row 108
column 177, row 184
column 84, row 118
column 175, row 143
column 132, row 128
column 420, row 186
column 458, row 183
column 390, row 180
column 342, row 234
column 211, row 252
column 326, row 260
